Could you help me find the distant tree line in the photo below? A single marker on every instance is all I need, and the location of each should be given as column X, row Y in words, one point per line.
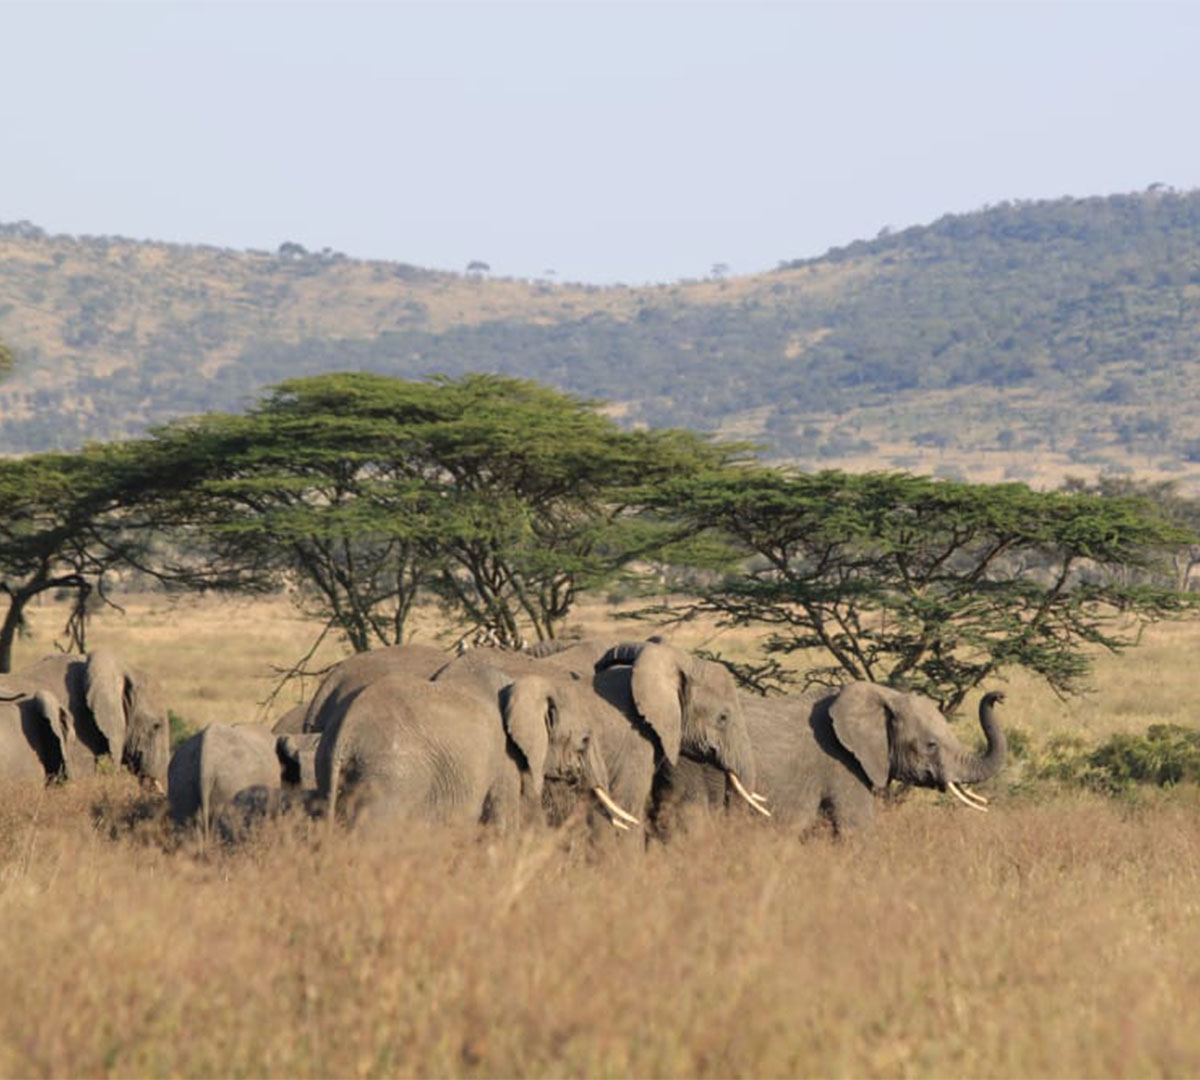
column 504, row 501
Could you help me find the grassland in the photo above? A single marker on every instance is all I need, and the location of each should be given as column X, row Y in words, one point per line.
column 1058, row 935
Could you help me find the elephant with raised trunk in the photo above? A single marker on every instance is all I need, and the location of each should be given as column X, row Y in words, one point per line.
column 114, row 711
column 829, row 753
column 402, row 748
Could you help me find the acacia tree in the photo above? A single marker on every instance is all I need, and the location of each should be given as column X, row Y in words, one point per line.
column 503, row 496
column 922, row 583
column 70, row 523
column 541, row 499
column 317, row 489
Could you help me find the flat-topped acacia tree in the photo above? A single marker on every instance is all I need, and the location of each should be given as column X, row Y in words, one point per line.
column 928, row 584
column 503, row 497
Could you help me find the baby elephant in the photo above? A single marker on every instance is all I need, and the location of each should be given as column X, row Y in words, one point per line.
column 210, row 768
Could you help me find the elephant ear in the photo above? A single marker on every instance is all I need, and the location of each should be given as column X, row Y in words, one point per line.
column 659, row 684
column 105, row 695
column 58, row 732
column 529, row 713
column 860, row 723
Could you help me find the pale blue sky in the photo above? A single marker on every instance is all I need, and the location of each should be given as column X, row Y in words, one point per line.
column 605, row 141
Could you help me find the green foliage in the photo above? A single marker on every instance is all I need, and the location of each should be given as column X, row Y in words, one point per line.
column 1166, row 755
column 181, row 729
column 934, row 585
column 66, row 525
column 505, row 497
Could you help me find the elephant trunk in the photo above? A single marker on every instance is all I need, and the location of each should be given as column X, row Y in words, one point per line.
column 738, row 762
column 977, row 767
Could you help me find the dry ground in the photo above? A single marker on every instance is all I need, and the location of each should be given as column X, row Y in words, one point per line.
column 1057, row 936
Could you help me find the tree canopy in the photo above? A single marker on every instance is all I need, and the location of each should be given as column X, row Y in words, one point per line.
column 503, row 497
column 934, row 585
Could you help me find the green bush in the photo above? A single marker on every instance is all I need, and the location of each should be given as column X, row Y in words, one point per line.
column 180, row 728
column 1167, row 754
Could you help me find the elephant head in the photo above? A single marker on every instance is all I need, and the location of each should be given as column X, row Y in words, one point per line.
column 125, row 711
column 692, row 707
column 897, row 735
column 544, row 722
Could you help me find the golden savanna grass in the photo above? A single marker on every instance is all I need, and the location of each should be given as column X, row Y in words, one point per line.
column 1058, row 935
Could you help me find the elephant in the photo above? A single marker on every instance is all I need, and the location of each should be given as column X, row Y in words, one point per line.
column 355, row 672
column 35, row 738
column 830, row 752
column 652, row 704
column 114, row 711
column 208, row 769
column 492, row 671
column 404, row 748
column 297, row 753
column 292, row 721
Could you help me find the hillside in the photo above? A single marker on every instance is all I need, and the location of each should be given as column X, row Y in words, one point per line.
column 1028, row 340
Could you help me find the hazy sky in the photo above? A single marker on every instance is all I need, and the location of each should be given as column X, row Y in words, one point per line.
column 603, row 141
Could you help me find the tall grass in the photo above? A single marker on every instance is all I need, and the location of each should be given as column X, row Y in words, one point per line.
column 1058, row 935
column 1047, row 939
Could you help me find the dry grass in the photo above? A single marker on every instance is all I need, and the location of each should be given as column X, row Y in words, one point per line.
column 1046, row 940
column 1053, row 937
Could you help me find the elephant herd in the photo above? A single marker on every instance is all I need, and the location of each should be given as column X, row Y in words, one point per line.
column 629, row 736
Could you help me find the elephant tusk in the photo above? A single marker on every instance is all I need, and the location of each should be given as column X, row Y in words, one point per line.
column 740, row 788
column 760, row 799
column 975, row 798
column 954, row 790
column 611, row 806
column 618, row 824
column 974, row 795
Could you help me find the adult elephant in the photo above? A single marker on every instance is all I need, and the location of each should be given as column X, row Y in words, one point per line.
column 654, row 705
column 35, row 736
column 492, row 673
column 115, row 711
column 403, row 748
column 352, row 674
column 829, row 753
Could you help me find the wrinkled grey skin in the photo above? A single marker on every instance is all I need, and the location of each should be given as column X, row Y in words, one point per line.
column 292, row 721
column 35, row 738
column 403, row 749
column 827, row 754
column 361, row 669
column 652, row 704
column 492, row 672
column 208, row 769
column 114, row 710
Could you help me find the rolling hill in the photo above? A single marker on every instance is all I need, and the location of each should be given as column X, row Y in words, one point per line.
column 1027, row 340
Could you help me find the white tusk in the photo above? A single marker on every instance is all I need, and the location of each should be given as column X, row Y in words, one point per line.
column 954, row 790
column 612, row 807
column 973, row 794
column 974, row 797
column 758, row 798
column 740, row 788
column 617, row 824
column 157, row 786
